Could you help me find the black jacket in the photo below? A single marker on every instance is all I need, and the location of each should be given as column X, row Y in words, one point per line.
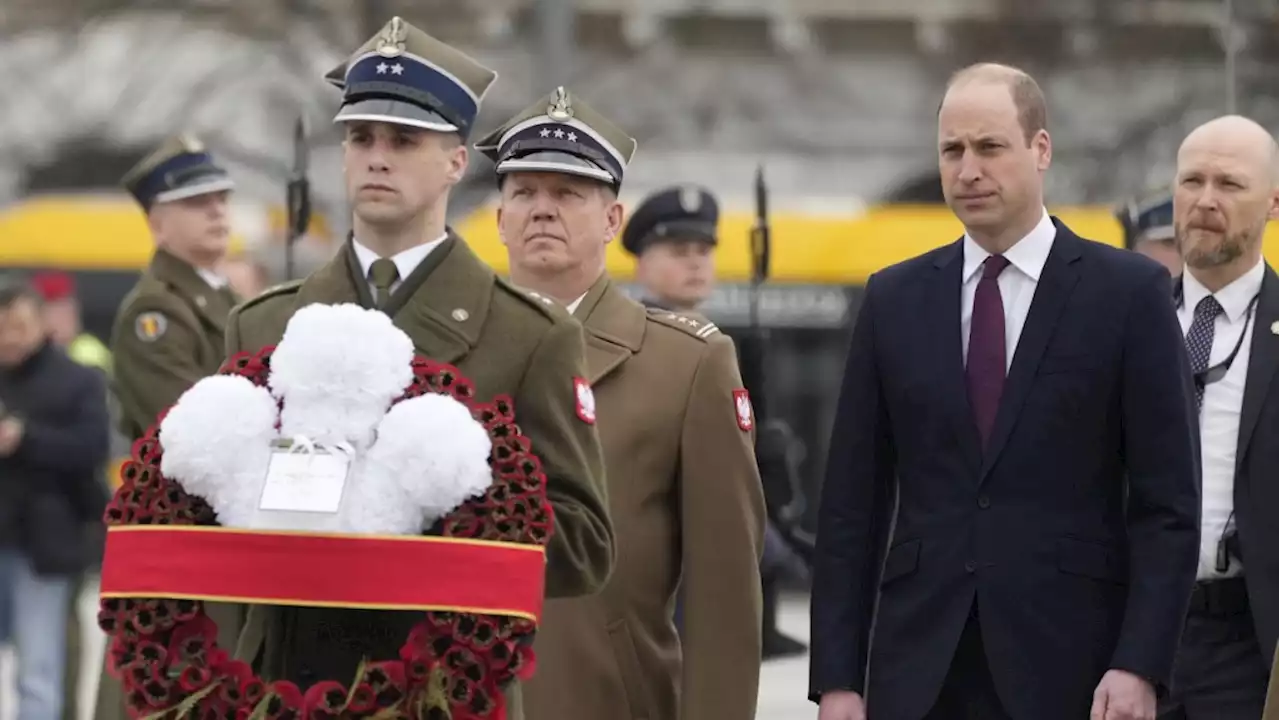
column 50, row 487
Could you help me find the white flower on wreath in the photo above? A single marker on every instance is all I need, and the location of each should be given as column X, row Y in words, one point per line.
column 337, row 371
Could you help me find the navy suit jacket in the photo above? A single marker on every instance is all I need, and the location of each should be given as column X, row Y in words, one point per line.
column 1258, row 469
column 1076, row 531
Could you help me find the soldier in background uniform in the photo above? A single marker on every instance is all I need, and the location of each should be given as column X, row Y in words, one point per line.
column 673, row 236
column 684, row 492
column 169, row 330
column 408, row 105
column 1148, row 229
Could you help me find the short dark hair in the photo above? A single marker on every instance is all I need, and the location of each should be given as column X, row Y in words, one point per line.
column 14, row 290
column 1028, row 99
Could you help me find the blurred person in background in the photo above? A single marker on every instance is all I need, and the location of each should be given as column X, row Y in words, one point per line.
column 1223, row 197
column 170, row 329
column 1008, row 524
column 673, row 236
column 53, row 444
column 682, row 482
column 63, row 318
column 1148, row 229
column 61, row 305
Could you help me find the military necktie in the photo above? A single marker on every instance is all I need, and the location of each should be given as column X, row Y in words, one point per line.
column 1200, row 342
column 383, row 273
column 985, row 370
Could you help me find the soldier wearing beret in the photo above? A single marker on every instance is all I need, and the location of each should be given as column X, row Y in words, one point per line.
column 673, row 235
column 677, row 429
column 1148, row 229
column 408, row 105
column 169, row 330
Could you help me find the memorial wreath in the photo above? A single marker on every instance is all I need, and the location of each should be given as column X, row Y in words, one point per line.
column 190, row 523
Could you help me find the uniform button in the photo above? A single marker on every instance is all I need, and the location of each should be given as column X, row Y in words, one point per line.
column 971, row 567
column 984, row 502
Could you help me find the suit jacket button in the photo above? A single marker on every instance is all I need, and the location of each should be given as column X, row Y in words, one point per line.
column 984, row 502
column 971, row 567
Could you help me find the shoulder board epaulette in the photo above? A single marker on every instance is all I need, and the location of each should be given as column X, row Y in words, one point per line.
column 284, row 288
column 548, row 306
column 691, row 324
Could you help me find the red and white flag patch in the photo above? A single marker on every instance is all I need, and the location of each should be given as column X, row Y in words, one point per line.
column 585, row 400
column 742, row 408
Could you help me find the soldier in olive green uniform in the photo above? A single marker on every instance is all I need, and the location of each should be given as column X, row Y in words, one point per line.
column 409, row 102
column 170, row 329
column 678, row 431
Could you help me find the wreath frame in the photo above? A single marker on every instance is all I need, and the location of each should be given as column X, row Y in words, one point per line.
column 452, row 666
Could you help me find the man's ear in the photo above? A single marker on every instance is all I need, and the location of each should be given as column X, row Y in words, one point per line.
column 501, row 235
column 616, row 214
column 458, row 161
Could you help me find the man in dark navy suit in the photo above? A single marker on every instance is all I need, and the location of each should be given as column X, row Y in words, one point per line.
column 1024, row 397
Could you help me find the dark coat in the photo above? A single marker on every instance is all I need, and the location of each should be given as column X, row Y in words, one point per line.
column 52, row 487
column 1076, row 531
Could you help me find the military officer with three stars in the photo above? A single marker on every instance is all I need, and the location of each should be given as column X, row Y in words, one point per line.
column 677, row 429
column 408, row 105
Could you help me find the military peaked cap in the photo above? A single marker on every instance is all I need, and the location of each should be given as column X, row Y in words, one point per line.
column 683, row 212
column 561, row 133
column 404, row 76
column 180, row 168
column 1147, row 218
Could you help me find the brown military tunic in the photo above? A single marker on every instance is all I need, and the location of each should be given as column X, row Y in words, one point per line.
column 687, row 505
column 168, row 334
column 456, row 310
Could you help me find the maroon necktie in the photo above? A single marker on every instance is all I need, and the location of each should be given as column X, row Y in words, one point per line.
column 985, row 371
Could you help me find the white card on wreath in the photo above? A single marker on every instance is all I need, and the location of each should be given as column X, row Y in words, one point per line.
column 310, row 481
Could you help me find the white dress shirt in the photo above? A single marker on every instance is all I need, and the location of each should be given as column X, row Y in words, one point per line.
column 1017, row 283
column 213, row 279
column 573, row 306
column 406, row 260
column 1220, row 416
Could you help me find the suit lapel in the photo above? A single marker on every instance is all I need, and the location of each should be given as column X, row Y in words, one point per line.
column 944, row 302
column 614, row 326
column 1057, row 281
column 449, row 302
column 443, row 317
column 1264, row 353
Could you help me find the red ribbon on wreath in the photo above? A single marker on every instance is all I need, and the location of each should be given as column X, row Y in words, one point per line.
column 163, row 648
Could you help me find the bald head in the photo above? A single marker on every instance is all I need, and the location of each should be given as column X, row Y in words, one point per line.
column 1225, row 191
column 1238, row 137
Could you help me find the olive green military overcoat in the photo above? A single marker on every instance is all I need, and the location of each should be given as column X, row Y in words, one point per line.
column 688, row 509
column 168, row 334
column 507, row 341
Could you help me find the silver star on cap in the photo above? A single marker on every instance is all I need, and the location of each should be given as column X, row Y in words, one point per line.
column 558, row 133
column 382, row 68
column 397, row 69
column 545, row 132
column 573, row 137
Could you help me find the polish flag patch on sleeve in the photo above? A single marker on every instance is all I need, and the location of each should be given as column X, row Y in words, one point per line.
column 742, row 408
column 585, row 400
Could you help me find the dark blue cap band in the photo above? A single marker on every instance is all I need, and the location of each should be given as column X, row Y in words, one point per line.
column 559, row 137
column 411, row 80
